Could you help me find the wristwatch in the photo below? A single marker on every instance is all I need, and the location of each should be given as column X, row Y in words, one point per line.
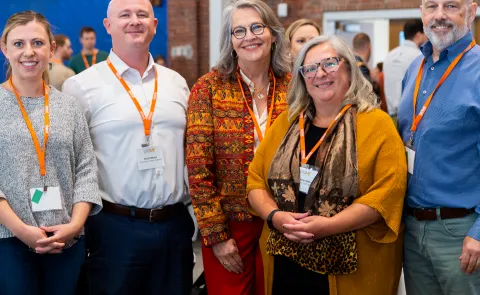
column 270, row 217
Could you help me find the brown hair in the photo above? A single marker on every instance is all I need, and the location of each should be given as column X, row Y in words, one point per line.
column 60, row 40
column 300, row 23
column 86, row 30
column 21, row 19
column 360, row 41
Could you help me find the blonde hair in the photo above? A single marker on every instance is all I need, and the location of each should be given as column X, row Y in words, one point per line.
column 21, row 19
column 297, row 25
column 359, row 93
column 227, row 64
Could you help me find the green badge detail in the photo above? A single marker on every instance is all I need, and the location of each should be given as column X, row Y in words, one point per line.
column 37, row 196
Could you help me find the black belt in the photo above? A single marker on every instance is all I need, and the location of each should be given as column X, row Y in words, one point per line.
column 152, row 215
column 423, row 214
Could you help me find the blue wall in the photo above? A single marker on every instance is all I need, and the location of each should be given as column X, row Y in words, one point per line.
column 69, row 16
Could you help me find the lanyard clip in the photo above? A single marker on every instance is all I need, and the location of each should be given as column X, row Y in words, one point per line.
column 410, row 141
column 147, row 141
column 45, row 187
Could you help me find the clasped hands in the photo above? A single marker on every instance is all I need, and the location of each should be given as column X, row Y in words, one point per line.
column 300, row 227
column 37, row 239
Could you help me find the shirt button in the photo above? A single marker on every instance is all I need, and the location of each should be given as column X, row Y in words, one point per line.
column 424, row 91
column 432, row 68
column 157, row 172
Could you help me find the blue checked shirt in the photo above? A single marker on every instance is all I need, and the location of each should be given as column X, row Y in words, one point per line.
column 447, row 141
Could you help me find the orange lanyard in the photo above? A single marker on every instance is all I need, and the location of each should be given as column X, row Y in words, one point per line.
column 46, row 131
column 301, row 123
column 56, row 61
column 270, row 112
column 147, row 121
column 418, row 118
column 94, row 59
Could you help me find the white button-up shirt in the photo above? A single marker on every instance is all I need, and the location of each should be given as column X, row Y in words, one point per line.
column 117, row 131
column 261, row 118
column 395, row 66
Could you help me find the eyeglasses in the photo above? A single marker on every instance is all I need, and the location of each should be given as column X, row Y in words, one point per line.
column 328, row 65
column 240, row 32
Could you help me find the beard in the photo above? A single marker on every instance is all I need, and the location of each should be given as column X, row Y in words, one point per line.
column 440, row 41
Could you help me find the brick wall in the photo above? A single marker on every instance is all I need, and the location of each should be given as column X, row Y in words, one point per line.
column 188, row 25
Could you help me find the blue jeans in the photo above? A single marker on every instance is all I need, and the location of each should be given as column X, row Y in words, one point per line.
column 23, row 272
column 134, row 256
column 431, row 263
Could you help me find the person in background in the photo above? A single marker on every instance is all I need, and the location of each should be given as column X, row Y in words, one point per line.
column 160, row 60
column 378, row 78
column 58, row 71
column 48, row 172
column 229, row 112
column 439, row 121
column 362, row 49
column 330, row 181
column 89, row 55
column 299, row 33
column 398, row 60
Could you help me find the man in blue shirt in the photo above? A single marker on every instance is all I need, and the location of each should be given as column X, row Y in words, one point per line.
column 442, row 236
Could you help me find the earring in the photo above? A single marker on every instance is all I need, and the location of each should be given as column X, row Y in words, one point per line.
column 274, row 44
column 234, row 54
column 49, row 66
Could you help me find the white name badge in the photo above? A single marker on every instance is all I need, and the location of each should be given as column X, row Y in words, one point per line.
column 307, row 175
column 150, row 157
column 45, row 201
column 410, row 159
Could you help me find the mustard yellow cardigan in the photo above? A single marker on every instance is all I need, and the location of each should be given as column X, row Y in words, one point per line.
column 382, row 170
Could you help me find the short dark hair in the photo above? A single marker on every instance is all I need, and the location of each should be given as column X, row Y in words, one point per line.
column 412, row 27
column 60, row 39
column 360, row 41
column 86, row 30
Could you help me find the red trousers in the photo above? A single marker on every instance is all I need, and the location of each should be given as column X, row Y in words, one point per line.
column 251, row 282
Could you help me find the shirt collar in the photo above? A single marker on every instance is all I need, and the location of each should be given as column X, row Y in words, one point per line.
column 450, row 52
column 122, row 67
column 247, row 80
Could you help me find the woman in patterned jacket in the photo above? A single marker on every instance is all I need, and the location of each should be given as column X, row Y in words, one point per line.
column 229, row 111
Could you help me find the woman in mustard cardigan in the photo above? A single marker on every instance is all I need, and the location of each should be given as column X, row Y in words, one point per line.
column 330, row 182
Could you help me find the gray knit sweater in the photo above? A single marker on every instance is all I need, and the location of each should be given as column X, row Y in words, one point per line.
column 70, row 159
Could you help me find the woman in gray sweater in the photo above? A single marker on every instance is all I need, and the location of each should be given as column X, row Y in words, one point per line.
column 48, row 173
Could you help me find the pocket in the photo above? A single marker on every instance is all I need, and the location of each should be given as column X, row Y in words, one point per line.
column 459, row 227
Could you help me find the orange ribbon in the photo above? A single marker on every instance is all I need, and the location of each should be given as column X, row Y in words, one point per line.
column 94, row 59
column 147, row 121
column 301, row 123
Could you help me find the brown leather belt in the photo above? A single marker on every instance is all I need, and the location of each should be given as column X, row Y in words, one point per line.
column 423, row 214
column 152, row 215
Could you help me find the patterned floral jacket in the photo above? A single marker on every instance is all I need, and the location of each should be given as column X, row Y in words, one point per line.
column 220, row 148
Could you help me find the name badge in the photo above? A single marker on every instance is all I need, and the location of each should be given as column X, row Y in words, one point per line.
column 45, row 201
column 410, row 159
column 150, row 157
column 307, row 175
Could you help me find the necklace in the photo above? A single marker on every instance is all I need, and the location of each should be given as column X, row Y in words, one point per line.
column 260, row 95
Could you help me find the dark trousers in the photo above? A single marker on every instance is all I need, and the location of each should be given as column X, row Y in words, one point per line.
column 23, row 272
column 134, row 256
column 290, row 278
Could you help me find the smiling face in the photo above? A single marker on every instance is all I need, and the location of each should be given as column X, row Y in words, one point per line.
column 327, row 88
column 301, row 36
column 28, row 50
column 131, row 23
column 252, row 48
column 447, row 21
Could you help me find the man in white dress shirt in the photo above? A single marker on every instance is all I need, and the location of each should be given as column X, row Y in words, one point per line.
column 136, row 110
column 397, row 62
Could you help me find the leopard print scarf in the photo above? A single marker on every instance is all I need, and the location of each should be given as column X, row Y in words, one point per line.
column 333, row 190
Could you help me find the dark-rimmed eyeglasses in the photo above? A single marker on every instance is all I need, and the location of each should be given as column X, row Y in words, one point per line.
column 328, row 65
column 256, row 29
